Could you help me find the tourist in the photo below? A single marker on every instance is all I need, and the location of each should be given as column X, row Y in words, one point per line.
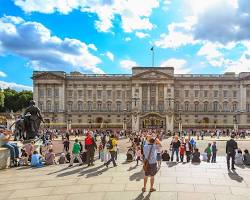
column 175, row 148
column 62, row 159
column 4, row 142
column 182, row 152
column 111, row 145
column 66, row 143
column 238, row 158
column 196, row 156
column 101, row 151
column 90, row 147
column 158, row 150
column 24, row 158
column 214, row 152
column 50, row 157
column 150, row 157
column 36, row 160
column 208, row 151
column 246, row 157
column 138, row 155
column 188, row 149
column 130, row 155
column 76, row 153
column 231, row 146
column 68, row 157
column 165, row 156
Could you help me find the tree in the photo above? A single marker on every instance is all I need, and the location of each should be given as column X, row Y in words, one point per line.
column 1, row 99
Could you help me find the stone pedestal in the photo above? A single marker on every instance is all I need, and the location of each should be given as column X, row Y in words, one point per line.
column 4, row 157
column 135, row 122
column 169, row 122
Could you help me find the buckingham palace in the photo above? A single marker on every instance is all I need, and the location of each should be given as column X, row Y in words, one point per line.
column 150, row 97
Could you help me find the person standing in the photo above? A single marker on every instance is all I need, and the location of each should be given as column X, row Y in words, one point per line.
column 90, row 147
column 111, row 146
column 214, row 152
column 188, row 149
column 175, row 148
column 76, row 153
column 208, row 151
column 150, row 155
column 231, row 146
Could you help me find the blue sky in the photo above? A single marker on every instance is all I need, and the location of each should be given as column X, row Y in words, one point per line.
column 111, row 36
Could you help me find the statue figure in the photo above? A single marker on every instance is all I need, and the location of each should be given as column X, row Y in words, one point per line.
column 32, row 120
column 19, row 128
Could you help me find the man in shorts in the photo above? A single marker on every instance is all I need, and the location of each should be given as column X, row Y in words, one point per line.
column 152, row 164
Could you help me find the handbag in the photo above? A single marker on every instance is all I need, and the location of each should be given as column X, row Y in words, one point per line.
column 146, row 166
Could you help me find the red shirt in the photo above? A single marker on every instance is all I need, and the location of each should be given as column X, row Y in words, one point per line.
column 182, row 150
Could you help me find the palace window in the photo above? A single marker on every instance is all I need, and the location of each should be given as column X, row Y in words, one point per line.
column 70, row 93
column 186, row 93
column 99, row 106
column 118, row 106
column 248, row 93
column 177, row 106
column 196, row 106
column 118, row 94
column 248, row 107
column 99, row 94
column 49, row 92
column 70, row 106
column 216, row 93
column 205, row 106
column 79, row 93
column 56, row 106
column 144, row 106
column 40, row 104
column 234, row 106
column 89, row 94
column 109, row 94
column 56, row 92
column 90, row 105
column 48, row 105
column 196, row 93
column 161, row 106
column 177, row 93
column 41, row 93
column 234, row 94
column 109, row 106
column 225, row 93
column 225, row 106
column 215, row 106
column 128, row 106
column 80, row 105
column 205, row 93
column 186, row 106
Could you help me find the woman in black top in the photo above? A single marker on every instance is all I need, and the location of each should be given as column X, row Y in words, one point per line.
column 175, row 148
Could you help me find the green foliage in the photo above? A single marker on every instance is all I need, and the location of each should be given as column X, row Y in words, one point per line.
column 1, row 99
column 14, row 100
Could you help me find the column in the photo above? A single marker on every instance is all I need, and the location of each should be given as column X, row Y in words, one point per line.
column 149, row 108
column 139, row 106
column 35, row 93
column 242, row 98
column 156, row 97
column 165, row 97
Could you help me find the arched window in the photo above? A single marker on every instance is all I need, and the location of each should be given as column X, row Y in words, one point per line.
column 109, row 106
column 186, row 106
column 196, row 106
column 99, row 105
column 225, row 106
column 205, row 106
column 48, row 105
column 70, row 105
column 235, row 106
column 215, row 106
column 89, row 106
column 80, row 105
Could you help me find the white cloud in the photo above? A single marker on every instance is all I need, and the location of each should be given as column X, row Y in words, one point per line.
column 241, row 65
column 178, row 35
column 180, row 65
column 2, row 74
column 134, row 14
column 12, row 85
column 34, row 41
column 127, row 64
column 127, row 39
column 141, row 34
column 110, row 55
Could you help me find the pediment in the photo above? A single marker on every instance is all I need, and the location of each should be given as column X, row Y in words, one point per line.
column 153, row 74
column 47, row 76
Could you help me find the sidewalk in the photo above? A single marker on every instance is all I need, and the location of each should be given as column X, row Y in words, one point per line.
column 207, row 181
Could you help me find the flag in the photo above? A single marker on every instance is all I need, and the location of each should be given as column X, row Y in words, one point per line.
column 152, row 49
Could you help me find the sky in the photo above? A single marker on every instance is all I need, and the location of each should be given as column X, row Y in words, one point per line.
column 112, row 36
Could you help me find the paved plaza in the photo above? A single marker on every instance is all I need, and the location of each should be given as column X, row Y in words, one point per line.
column 206, row 181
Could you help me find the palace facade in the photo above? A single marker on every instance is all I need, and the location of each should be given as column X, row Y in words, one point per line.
column 150, row 97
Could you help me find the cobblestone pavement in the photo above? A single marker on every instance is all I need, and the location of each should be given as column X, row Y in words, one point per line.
column 207, row 181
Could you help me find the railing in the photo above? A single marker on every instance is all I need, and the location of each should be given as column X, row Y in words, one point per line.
column 206, row 75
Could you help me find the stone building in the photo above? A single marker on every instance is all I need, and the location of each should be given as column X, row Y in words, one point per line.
column 150, row 97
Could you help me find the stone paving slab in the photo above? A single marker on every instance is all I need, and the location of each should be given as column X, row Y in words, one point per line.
column 174, row 181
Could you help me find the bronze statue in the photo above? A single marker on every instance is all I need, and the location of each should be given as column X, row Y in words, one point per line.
column 32, row 120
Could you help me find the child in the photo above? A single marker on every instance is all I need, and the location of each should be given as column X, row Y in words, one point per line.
column 239, row 158
column 165, row 156
column 62, row 159
column 76, row 153
column 101, row 152
column 138, row 155
column 50, row 157
column 24, row 158
column 182, row 152
column 196, row 156
column 246, row 157
column 214, row 152
column 36, row 160
column 29, row 148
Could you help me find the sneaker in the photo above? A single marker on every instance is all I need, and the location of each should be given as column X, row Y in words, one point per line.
column 80, row 164
column 70, row 166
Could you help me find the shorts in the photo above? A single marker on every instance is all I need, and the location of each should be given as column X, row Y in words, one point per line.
column 158, row 157
column 152, row 171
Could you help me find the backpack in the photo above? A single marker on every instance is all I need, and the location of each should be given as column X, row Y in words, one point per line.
column 109, row 144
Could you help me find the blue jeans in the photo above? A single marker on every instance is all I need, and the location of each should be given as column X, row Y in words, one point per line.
column 177, row 154
column 14, row 151
column 112, row 159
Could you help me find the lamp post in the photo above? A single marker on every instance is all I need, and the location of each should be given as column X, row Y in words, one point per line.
column 180, row 120
column 124, row 119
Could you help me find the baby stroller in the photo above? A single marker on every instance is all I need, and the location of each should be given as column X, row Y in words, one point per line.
column 130, row 155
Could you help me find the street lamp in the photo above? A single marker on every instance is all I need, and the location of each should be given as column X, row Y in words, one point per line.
column 124, row 118
column 180, row 120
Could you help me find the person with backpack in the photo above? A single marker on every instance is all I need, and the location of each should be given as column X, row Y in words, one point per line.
column 90, row 147
column 111, row 146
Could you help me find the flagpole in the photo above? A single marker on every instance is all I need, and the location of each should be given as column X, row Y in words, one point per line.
column 153, row 56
